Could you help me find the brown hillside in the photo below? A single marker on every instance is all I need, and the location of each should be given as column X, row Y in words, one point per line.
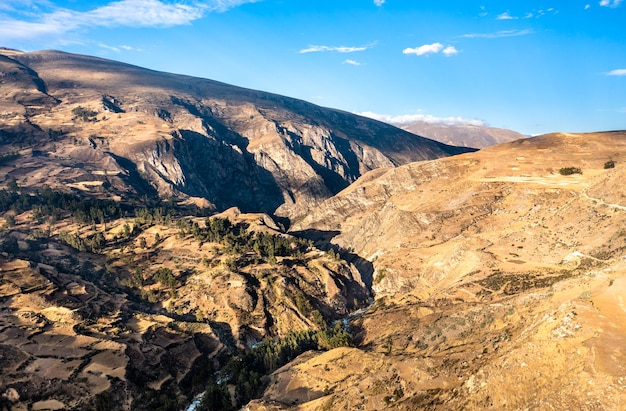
column 499, row 283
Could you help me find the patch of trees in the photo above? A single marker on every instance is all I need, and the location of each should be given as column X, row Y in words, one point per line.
column 84, row 114
column 246, row 371
column 165, row 276
column 56, row 205
column 154, row 215
column 568, row 171
column 238, row 240
column 53, row 204
column 92, row 244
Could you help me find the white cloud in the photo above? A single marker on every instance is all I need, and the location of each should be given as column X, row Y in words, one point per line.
column 130, row 13
column 505, row 16
column 587, row 6
column 424, row 50
column 379, row 2
column 450, row 51
column 434, row 48
column 617, row 72
column 351, row 62
column 498, row 34
column 341, row 49
column 427, row 118
column 610, row 3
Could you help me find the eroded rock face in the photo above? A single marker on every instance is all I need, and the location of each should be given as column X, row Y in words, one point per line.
column 186, row 137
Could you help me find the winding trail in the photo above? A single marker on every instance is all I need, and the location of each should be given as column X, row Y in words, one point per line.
column 601, row 201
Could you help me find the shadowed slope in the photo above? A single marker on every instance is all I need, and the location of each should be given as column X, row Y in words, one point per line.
column 288, row 154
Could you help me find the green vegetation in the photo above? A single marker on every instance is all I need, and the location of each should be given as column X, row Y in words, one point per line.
column 165, row 276
column 54, row 205
column 84, row 114
column 236, row 239
column 380, row 275
column 609, row 164
column 568, row 171
column 245, row 371
column 93, row 243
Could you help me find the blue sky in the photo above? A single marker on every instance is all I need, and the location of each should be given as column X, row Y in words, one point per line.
column 532, row 66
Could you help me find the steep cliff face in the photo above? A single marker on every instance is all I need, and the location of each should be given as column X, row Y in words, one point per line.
column 189, row 137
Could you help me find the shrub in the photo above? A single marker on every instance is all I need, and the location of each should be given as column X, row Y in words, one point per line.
column 165, row 276
column 609, row 164
column 84, row 114
column 568, row 171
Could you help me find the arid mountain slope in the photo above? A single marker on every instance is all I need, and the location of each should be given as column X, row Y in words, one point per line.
column 140, row 313
column 499, row 283
column 106, row 126
column 465, row 136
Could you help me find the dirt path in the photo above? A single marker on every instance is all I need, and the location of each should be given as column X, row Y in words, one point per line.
column 601, row 201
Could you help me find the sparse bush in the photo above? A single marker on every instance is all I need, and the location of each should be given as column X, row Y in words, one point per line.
column 84, row 114
column 568, row 171
column 380, row 275
column 609, row 164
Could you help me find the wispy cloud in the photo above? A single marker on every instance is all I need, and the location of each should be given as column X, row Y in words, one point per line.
column 427, row 118
column 535, row 13
column 351, row 62
column 118, row 49
column 617, row 72
column 379, row 2
column 340, row 49
column 610, row 3
column 498, row 34
column 14, row 5
column 587, row 6
column 505, row 16
column 129, row 13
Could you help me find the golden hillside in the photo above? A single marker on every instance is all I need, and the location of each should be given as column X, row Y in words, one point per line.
column 499, row 283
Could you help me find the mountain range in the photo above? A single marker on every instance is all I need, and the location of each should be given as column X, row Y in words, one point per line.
column 98, row 122
column 167, row 240
column 476, row 136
